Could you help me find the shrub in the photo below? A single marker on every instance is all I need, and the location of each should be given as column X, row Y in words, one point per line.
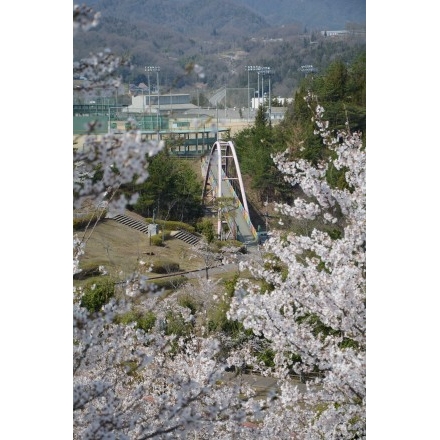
column 220, row 244
column 206, row 228
column 170, row 282
column 267, row 356
column 165, row 266
column 166, row 235
column 156, row 240
column 144, row 321
column 335, row 234
column 172, row 225
column 266, row 286
column 230, row 285
column 82, row 222
column 274, row 263
column 97, row 293
column 147, row 321
column 189, row 302
column 176, row 325
column 91, row 270
column 218, row 320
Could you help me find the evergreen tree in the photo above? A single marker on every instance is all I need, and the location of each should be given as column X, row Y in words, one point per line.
column 254, row 147
column 173, row 190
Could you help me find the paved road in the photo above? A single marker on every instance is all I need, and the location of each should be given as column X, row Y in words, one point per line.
column 262, row 385
column 253, row 253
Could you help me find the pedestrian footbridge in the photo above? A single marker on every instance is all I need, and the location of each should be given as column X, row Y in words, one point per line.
column 224, row 194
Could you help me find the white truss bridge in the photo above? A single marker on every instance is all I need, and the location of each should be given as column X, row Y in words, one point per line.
column 224, row 193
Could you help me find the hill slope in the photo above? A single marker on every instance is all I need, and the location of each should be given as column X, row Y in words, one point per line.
column 223, row 37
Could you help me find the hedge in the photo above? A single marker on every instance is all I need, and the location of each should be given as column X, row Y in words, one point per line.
column 172, row 225
column 83, row 221
column 165, row 266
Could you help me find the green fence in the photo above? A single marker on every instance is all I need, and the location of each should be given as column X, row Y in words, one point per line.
column 152, row 122
column 81, row 124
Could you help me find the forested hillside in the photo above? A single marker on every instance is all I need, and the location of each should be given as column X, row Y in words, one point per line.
column 341, row 90
column 312, row 14
column 174, row 34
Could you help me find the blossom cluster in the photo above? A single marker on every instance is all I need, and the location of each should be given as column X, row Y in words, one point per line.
column 314, row 314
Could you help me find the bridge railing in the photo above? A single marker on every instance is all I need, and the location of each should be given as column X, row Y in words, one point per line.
column 240, row 208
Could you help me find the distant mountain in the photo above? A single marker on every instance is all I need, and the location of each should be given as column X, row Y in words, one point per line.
column 187, row 17
column 223, row 36
column 313, row 14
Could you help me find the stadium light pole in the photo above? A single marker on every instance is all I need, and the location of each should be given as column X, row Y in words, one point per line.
column 252, row 69
column 158, row 104
column 267, row 71
column 226, row 91
column 149, row 94
column 258, row 87
column 270, row 103
column 156, row 69
column 270, row 94
column 216, row 112
column 249, row 99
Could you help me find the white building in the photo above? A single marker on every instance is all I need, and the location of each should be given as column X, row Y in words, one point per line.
column 164, row 104
column 256, row 102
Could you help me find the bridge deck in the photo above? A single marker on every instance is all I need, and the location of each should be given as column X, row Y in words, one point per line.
column 245, row 231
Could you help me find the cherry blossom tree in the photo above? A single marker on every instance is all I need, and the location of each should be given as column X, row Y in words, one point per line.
column 129, row 383
column 313, row 312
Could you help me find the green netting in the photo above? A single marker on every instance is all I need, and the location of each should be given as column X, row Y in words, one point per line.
column 81, row 124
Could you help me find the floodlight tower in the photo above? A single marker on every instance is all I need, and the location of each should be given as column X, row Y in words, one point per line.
column 256, row 69
column 156, row 69
column 267, row 71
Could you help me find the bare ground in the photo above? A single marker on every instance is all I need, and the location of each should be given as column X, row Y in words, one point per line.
column 122, row 250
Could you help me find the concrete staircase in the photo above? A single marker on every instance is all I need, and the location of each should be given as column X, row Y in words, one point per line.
column 187, row 237
column 129, row 221
column 141, row 226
